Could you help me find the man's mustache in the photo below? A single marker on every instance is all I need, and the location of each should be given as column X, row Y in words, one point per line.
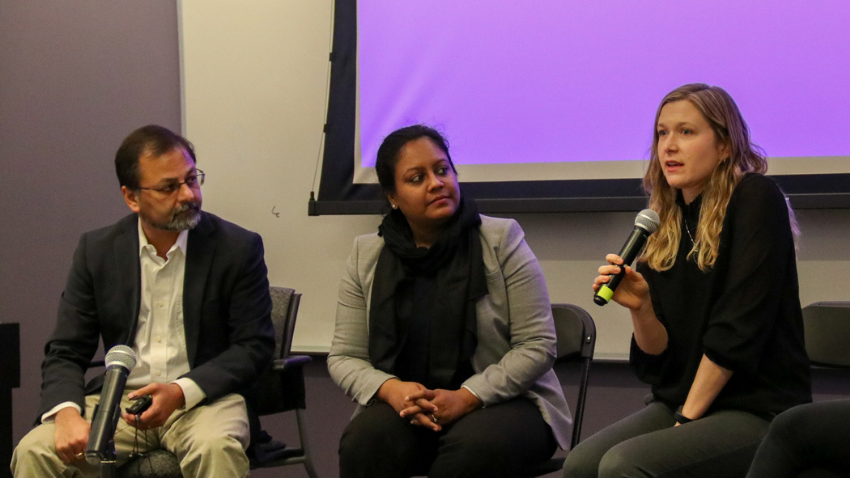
column 193, row 205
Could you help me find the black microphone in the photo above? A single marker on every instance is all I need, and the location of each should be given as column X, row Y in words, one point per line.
column 646, row 223
column 119, row 361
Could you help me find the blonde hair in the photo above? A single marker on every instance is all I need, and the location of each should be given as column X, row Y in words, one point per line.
column 730, row 129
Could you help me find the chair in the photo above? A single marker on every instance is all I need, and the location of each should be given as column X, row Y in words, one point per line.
column 279, row 389
column 827, row 331
column 10, row 378
column 576, row 335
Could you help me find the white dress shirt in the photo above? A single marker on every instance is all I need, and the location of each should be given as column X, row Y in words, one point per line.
column 160, row 344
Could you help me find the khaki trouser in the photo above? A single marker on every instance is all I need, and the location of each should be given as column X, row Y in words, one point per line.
column 209, row 440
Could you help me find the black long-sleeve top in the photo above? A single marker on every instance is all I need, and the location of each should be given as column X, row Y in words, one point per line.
column 743, row 314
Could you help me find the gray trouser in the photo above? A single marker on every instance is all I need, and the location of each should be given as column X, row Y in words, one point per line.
column 813, row 439
column 646, row 444
column 209, row 440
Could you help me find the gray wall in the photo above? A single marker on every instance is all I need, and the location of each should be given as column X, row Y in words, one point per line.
column 77, row 76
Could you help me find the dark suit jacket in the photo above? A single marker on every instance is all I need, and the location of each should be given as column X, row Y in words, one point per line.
column 226, row 309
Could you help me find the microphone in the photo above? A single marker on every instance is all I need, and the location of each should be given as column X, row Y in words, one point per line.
column 119, row 361
column 646, row 223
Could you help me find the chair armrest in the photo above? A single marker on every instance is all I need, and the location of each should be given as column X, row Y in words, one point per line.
column 292, row 361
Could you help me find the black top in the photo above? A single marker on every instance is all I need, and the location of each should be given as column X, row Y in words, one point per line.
column 414, row 360
column 743, row 314
column 412, row 363
column 423, row 319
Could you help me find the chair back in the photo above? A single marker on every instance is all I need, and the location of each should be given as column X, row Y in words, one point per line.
column 281, row 388
column 274, row 391
column 576, row 333
column 285, row 302
column 576, row 336
column 575, row 330
column 827, row 331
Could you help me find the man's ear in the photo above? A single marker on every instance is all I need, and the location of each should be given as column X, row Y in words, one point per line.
column 131, row 198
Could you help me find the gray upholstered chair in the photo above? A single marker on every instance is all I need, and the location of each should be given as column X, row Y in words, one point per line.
column 157, row 463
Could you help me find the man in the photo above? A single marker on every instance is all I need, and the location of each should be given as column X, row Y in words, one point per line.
column 188, row 292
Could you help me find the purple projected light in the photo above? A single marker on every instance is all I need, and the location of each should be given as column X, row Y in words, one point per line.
column 555, row 81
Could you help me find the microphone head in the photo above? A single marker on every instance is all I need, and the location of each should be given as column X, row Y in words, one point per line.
column 121, row 355
column 648, row 220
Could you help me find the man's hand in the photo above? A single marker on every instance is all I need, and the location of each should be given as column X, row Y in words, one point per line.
column 166, row 397
column 71, row 436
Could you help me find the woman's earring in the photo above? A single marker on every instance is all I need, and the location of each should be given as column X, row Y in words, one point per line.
column 394, row 206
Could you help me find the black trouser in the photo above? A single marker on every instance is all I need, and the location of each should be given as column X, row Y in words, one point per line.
column 499, row 440
column 809, row 440
column 645, row 444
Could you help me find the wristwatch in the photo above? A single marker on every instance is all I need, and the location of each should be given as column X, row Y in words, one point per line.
column 681, row 418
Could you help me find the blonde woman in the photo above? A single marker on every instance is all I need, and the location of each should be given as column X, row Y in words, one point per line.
column 714, row 302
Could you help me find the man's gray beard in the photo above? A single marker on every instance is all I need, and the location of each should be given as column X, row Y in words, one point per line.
column 184, row 217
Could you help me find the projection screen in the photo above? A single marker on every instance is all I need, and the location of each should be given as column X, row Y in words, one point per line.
column 549, row 105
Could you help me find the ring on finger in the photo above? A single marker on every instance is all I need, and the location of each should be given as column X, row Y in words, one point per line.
column 434, row 418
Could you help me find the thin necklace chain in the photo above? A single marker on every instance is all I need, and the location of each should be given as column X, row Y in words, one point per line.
column 688, row 229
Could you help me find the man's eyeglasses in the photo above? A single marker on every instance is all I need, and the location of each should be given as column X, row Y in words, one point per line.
column 194, row 180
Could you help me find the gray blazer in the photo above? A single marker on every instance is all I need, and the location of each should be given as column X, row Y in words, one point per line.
column 516, row 333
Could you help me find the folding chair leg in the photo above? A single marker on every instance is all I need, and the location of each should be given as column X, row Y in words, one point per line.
column 301, row 416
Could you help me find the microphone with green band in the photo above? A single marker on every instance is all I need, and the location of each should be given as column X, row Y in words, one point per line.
column 646, row 223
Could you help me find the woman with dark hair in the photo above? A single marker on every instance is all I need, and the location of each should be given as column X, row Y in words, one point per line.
column 714, row 303
column 444, row 333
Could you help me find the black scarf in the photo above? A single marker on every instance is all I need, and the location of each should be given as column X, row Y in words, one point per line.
column 456, row 263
